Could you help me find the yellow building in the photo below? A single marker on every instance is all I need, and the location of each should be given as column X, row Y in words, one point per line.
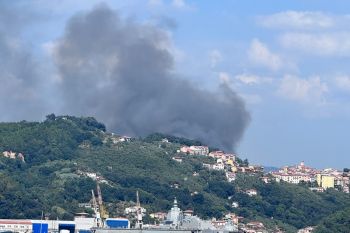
column 230, row 162
column 325, row 181
column 234, row 169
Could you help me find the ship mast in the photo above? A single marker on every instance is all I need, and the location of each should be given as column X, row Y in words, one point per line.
column 139, row 223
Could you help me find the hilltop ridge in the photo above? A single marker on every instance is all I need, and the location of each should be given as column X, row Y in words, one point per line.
column 64, row 157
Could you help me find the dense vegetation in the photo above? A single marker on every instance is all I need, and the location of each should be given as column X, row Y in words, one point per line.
column 337, row 222
column 60, row 150
column 290, row 204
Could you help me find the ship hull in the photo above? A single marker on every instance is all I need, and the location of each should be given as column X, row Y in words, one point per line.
column 144, row 231
column 103, row 230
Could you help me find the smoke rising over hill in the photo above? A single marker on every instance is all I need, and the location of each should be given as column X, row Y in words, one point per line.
column 19, row 75
column 122, row 73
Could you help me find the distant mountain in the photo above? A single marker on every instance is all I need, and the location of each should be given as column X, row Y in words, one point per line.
column 63, row 155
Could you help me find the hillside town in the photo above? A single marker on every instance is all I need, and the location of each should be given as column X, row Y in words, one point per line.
column 319, row 180
column 223, row 161
column 231, row 165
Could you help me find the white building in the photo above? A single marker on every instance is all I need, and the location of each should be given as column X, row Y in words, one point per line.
column 195, row 150
column 165, row 140
column 219, row 165
column 231, row 176
column 134, row 209
column 21, row 226
column 235, row 204
column 91, row 175
column 9, row 154
column 177, row 159
column 83, row 223
column 251, row 192
column 306, row 230
column 295, row 178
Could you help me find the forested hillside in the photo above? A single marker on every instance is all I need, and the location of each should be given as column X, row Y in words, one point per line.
column 60, row 151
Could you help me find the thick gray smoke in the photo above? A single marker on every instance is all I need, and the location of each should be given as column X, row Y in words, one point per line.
column 20, row 97
column 122, row 73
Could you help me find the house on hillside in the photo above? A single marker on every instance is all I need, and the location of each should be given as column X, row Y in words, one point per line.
column 165, row 140
column 216, row 154
column 306, row 230
column 231, row 176
column 12, row 155
column 9, row 154
column 256, row 227
column 159, row 216
column 124, row 139
column 134, row 209
column 177, row 159
column 219, row 165
column 222, row 155
column 188, row 212
column 195, row 150
column 235, row 204
column 251, row 192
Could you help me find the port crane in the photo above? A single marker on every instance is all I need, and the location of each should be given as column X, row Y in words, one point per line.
column 102, row 209
column 100, row 212
column 96, row 210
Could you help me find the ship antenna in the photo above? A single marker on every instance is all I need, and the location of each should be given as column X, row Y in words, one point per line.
column 139, row 223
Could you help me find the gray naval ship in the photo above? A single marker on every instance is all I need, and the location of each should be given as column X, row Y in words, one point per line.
column 175, row 222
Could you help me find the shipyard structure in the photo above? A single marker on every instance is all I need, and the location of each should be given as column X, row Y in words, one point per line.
column 176, row 221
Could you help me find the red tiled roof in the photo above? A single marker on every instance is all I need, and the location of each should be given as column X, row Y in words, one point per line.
column 10, row 221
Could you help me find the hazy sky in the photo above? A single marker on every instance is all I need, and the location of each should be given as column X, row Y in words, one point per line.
column 288, row 60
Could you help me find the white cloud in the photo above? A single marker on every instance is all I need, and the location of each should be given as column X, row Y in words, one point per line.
column 259, row 54
column 224, row 78
column 49, row 47
column 298, row 20
column 248, row 79
column 215, row 57
column 325, row 44
column 251, row 79
column 179, row 3
column 343, row 82
column 310, row 90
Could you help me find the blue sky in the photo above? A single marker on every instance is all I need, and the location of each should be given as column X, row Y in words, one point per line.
column 287, row 59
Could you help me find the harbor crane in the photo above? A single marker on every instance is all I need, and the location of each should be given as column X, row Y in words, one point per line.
column 100, row 212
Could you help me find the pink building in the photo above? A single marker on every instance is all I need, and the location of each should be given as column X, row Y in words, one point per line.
column 195, row 150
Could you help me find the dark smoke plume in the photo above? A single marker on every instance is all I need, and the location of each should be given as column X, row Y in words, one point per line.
column 20, row 97
column 122, row 73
